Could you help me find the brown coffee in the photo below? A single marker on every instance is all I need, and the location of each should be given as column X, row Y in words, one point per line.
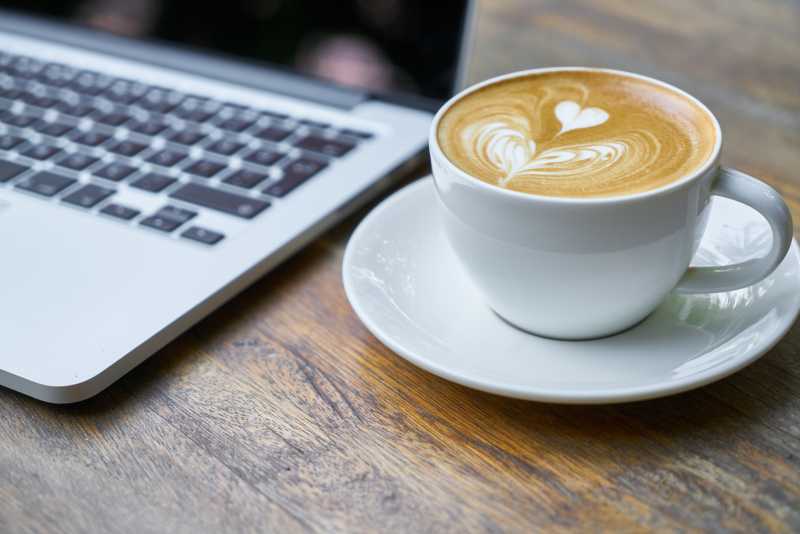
column 577, row 133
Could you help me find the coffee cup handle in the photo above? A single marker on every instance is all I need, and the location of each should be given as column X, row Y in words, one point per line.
column 743, row 188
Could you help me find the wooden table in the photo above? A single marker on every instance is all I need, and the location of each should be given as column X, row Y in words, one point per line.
column 281, row 412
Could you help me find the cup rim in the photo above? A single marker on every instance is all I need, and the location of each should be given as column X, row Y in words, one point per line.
column 709, row 163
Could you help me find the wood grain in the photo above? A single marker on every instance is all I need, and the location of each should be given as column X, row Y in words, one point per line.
column 280, row 412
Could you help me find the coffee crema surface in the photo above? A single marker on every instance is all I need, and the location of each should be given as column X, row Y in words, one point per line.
column 577, row 133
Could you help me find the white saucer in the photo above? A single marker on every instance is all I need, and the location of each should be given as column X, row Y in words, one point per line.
column 405, row 284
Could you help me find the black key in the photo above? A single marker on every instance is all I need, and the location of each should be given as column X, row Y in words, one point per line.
column 153, row 182
column 329, row 147
column 264, row 156
column 56, row 75
column 357, row 133
column 236, row 124
column 77, row 161
column 113, row 118
column 314, row 124
column 294, row 174
column 115, row 172
column 88, row 196
column 160, row 100
column 20, row 121
column 11, row 93
column 90, row 138
column 187, row 137
column 41, row 152
column 26, row 67
column 273, row 115
column 8, row 170
column 74, row 108
column 274, row 133
column 245, row 178
column 204, row 168
column 207, row 237
column 41, row 101
column 165, row 224
column 120, row 212
column 45, row 183
column 167, row 158
column 233, row 204
column 127, row 148
column 90, row 83
column 124, row 91
column 54, row 129
column 178, row 214
column 197, row 109
column 7, row 142
column 149, row 127
column 225, row 147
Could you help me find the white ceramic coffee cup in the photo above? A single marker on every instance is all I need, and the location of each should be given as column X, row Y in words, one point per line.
column 576, row 268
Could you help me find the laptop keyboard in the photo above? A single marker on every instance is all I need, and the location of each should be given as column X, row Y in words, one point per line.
column 97, row 131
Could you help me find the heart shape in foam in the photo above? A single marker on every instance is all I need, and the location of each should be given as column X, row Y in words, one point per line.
column 573, row 117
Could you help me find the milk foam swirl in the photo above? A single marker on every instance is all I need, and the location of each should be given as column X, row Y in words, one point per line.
column 576, row 134
column 499, row 145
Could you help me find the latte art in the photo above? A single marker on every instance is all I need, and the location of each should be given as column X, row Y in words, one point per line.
column 576, row 133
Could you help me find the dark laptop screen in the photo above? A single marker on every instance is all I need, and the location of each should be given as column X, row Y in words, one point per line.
column 381, row 45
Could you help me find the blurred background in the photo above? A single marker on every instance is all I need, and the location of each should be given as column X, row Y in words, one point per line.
column 381, row 45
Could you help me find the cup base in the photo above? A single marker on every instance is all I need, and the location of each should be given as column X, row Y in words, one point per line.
column 532, row 332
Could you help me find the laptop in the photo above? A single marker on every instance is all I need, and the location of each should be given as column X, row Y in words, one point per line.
column 157, row 157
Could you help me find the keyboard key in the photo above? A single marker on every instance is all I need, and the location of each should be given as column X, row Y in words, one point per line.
column 178, row 214
column 41, row 152
column 45, row 183
column 273, row 115
column 77, row 161
column 203, row 235
column 236, row 124
column 197, row 109
column 10, row 93
column 113, row 118
column 357, row 133
column 165, row 224
column 115, row 171
column 314, row 124
column 160, row 100
column 56, row 75
column 120, row 212
column 20, row 121
column 295, row 174
column 329, row 147
column 7, row 142
column 88, row 196
column 167, row 158
column 90, row 83
column 90, row 138
column 54, row 129
column 264, row 156
column 187, row 137
column 230, row 203
column 153, row 182
column 204, row 168
column 127, row 148
column 245, row 178
column 274, row 133
column 225, row 147
column 41, row 101
column 26, row 67
column 149, row 127
column 124, row 91
column 74, row 108
column 9, row 170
